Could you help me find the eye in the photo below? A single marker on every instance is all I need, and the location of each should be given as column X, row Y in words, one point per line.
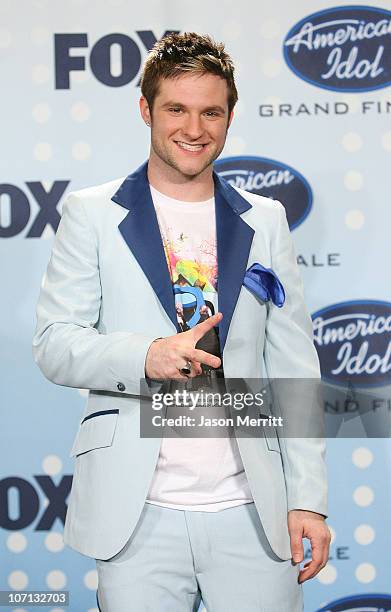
column 212, row 114
column 175, row 110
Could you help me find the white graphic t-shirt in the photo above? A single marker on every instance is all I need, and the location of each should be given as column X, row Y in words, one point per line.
column 194, row 473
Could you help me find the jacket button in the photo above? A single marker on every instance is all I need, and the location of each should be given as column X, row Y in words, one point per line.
column 121, row 386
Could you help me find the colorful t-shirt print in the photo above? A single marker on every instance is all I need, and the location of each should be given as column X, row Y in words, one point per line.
column 189, row 240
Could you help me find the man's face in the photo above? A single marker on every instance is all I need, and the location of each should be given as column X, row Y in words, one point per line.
column 189, row 122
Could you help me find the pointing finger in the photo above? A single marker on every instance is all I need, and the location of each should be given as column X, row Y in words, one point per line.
column 197, row 355
column 201, row 329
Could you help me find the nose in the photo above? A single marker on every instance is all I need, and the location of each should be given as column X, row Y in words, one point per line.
column 192, row 127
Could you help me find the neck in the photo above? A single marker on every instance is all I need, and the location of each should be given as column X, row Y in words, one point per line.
column 172, row 183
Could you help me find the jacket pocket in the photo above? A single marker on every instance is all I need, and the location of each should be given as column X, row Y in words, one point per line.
column 271, row 437
column 272, row 442
column 96, row 431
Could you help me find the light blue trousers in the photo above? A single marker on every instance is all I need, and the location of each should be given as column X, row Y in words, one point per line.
column 174, row 558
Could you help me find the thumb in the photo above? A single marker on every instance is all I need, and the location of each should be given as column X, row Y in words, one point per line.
column 201, row 329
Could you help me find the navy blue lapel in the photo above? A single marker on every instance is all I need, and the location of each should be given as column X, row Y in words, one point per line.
column 234, row 239
column 140, row 230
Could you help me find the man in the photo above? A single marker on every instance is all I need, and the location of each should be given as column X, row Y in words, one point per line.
column 134, row 263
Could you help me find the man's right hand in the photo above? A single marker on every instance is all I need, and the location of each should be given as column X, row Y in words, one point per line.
column 166, row 356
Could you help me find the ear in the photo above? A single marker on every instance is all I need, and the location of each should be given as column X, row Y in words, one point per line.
column 230, row 119
column 144, row 110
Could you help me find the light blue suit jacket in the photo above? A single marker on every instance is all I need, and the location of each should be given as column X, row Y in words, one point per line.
column 107, row 295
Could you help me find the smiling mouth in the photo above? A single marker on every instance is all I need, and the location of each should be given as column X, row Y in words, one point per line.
column 190, row 147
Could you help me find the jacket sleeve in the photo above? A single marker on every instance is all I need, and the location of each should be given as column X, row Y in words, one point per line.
column 292, row 363
column 67, row 346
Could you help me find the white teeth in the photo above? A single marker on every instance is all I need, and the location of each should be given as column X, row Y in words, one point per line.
column 189, row 147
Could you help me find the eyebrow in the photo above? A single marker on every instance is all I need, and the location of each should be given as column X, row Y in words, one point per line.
column 209, row 108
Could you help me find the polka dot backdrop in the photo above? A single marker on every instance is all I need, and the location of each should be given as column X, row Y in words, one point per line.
column 64, row 130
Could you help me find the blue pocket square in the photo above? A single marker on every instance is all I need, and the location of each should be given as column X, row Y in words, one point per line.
column 265, row 284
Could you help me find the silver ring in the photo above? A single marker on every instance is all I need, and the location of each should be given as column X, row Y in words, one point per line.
column 186, row 370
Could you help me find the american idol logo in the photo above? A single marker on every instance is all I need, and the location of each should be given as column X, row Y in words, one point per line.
column 353, row 341
column 376, row 602
column 270, row 178
column 347, row 48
